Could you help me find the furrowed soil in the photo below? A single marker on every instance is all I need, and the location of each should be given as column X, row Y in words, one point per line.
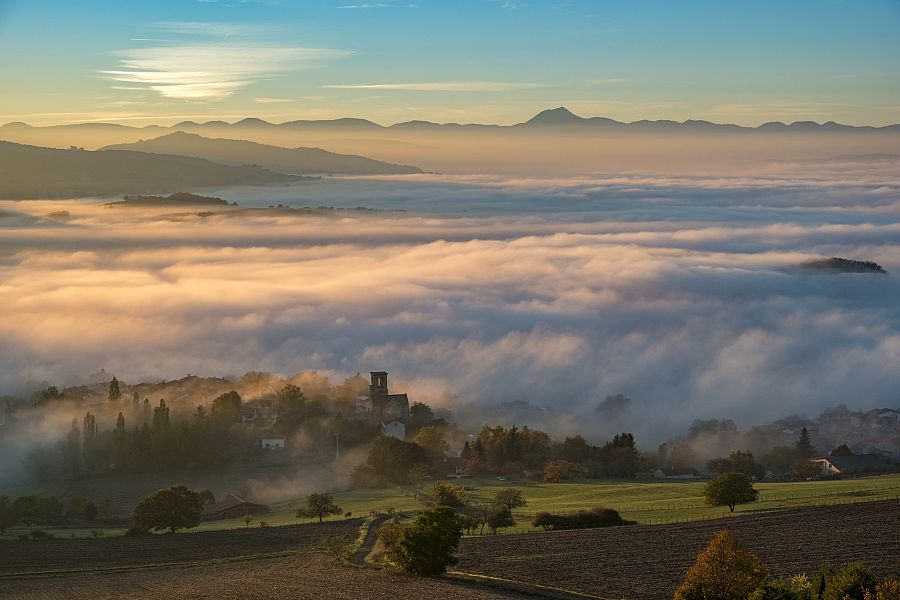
column 64, row 556
column 296, row 577
column 649, row 562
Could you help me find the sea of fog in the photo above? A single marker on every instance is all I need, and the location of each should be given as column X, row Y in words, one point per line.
column 684, row 294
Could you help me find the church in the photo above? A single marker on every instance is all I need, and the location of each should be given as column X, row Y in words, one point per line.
column 384, row 407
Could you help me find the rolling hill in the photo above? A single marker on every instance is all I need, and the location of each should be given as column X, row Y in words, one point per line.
column 286, row 160
column 35, row 172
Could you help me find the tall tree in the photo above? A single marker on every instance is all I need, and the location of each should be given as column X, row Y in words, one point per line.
column 89, row 442
column 161, row 418
column 226, row 408
column 73, row 447
column 433, row 442
column 804, row 447
column 114, row 392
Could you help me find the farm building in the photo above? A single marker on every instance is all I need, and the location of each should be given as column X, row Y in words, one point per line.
column 231, row 507
column 848, row 465
column 272, row 442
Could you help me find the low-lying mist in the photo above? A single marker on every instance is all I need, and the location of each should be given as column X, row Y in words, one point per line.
column 684, row 294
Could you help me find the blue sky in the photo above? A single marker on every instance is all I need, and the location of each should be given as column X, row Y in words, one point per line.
column 462, row 60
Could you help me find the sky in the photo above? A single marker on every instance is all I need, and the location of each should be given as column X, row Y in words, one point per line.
column 492, row 61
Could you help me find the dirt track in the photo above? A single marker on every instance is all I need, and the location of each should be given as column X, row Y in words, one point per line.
column 295, row 577
column 648, row 562
column 20, row 557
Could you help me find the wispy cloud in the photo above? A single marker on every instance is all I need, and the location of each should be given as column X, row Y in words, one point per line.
column 227, row 58
column 272, row 100
column 377, row 5
column 445, row 86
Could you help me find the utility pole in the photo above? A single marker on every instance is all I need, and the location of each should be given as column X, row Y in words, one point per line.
column 337, row 446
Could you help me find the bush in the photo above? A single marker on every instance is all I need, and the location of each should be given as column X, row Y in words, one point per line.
column 725, row 570
column 889, row 589
column 389, row 534
column 562, row 470
column 583, row 519
column 850, row 581
column 798, row 587
column 136, row 531
column 429, row 544
column 40, row 534
column 450, row 495
column 365, row 477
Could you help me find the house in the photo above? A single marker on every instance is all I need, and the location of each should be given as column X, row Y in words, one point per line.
column 231, row 507
column 885, row 417
column 272, row 442
column 454, row 451
column 394, row 429
column 361, row 409
column 852, row 464
column 259, row 413
column 455, row 468
column 384, row 406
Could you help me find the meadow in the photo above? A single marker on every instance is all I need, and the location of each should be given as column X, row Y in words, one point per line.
column 647, row 502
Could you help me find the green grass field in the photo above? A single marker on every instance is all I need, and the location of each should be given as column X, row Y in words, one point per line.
column 647, row 502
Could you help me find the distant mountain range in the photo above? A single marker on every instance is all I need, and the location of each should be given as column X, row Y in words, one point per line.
column 33, row 172
column 556, row 118
column 297, row 161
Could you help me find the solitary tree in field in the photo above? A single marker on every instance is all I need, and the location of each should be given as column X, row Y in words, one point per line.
column 319, row 506
column 730, row 489
column 429, row 544
column 173, row 509
column 724, row 571
column 510, row 499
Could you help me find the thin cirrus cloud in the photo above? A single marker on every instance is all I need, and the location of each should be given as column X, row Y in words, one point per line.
column 377, row 5
column 211, row 71
column 445, row 86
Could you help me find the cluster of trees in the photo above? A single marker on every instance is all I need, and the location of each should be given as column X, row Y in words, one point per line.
column 149, row 440
column 783, row 461
column 428, row 545
column 498, row 450
column 177, row 507
column 726, row 570
column 52, row 510
column 582, row 519
column 511, row 451
column 151, row 437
